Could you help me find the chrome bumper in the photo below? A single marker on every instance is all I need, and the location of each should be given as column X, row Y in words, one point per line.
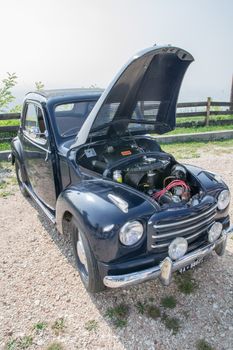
column 167, row 266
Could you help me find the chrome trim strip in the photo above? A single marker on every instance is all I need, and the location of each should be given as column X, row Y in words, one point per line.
column 38, row 202
column 39, row 145
column 160, row 245
column 187, row 220
column 133, row 278
column 195, row 234
column 188, row 239
column 119, row 203
column 185, row 229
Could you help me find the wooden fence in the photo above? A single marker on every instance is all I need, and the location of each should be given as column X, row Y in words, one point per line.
column 208, row 108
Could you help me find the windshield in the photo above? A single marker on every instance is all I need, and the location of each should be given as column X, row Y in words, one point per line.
column 143, row 118
column 70, row 117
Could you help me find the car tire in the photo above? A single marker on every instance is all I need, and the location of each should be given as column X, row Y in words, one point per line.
column 18, row 171
column 86, row 262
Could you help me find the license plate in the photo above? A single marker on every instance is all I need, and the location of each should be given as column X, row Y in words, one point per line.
column 191, row 266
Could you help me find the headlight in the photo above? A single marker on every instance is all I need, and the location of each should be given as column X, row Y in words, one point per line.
column 214, row 232
column 223, row 199
column 131, row 233
column 177, row 248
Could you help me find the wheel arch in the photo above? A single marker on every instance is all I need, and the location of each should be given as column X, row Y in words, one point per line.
column 93, row 213
column 16, row 150
column 66, row 212
column 66, row 223
column 17, row 155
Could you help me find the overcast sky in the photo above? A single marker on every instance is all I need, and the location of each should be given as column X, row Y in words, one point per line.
column 74, row 43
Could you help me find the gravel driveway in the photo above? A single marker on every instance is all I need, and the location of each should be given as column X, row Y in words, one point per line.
column 43, row 301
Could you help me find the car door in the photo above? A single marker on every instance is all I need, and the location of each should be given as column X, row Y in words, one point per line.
column 37, row 153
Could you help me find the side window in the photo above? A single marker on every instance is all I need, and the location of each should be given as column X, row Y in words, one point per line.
column 34, row 123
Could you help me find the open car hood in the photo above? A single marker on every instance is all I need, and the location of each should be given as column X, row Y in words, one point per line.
column 141, row 98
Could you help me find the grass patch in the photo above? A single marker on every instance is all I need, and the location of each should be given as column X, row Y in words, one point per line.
column 202, row 118
column 91, row 325
column 185, row 150
column 20, row 343
column 11, row 344
column 7, row 179
column 5, row 194
column 55, row 346
column 119, row 323
column 3, row 185
column 121, row 310
column 5, row 146
column 118, row 315
column 40, row 326
column 10, row 122
column 202, row 344
column 200, row 129
column 141, row 308
column 153, row 311
column 25, row 342
column 169, row 302
column 171, row 323
column 186, row 283
column 58, row 326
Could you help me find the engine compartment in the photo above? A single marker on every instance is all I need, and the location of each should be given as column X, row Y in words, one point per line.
column 140, row 163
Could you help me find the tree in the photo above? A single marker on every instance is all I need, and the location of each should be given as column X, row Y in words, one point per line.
column 6, row 96
column 39, row 85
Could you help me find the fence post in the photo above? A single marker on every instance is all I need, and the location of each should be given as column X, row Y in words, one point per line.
column 207, row 118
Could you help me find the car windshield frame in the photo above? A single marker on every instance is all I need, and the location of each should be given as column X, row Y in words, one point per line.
column 63, row 135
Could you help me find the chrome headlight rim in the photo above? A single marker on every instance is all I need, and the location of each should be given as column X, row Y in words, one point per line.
column 178, row 248
column 221, row 204
column 215, row 231
column 126, row 231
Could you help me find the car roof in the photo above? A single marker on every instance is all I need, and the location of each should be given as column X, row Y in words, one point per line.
column 61, row 94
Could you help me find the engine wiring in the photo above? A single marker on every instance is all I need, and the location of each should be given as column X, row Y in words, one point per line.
column 171, row 185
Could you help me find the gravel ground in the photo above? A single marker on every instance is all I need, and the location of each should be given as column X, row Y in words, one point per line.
column 39, row 283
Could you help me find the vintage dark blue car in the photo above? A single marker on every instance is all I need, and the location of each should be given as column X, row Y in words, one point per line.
column 133, row 212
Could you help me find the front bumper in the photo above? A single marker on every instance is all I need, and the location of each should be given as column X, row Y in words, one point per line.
column 165, row 269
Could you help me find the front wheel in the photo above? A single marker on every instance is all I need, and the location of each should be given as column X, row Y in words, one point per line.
column 86, row 262
column 18, row 171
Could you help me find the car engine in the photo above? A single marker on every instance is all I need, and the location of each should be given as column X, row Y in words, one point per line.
column 164, row 183
column 145, row 167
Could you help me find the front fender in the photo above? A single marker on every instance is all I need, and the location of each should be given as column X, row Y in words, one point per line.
column 17, row 154
column 206, row 179
column 100, row 219
column 210, row 184
column 16, row 150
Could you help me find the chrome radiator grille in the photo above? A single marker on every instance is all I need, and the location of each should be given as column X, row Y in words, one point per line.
column 162, row 234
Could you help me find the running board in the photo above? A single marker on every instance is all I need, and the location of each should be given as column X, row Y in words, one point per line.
column 38, row 202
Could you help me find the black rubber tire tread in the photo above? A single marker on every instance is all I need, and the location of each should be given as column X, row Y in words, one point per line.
column 93, row 283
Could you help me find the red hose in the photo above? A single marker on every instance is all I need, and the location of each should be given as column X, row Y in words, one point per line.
column 172, row 184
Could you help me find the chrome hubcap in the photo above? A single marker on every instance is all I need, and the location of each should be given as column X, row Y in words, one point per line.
column 81, row 253
column 20, row 175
